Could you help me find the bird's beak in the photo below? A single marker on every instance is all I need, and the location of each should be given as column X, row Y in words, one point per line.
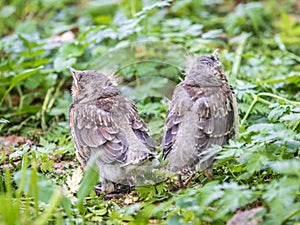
column 74, row 73
column 216, row 54
column 72, row 70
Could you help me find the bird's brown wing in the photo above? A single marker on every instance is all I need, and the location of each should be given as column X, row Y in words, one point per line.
column 173, row 119
column 215, row 113
column 139, row 127
column 96, row 130
column 216, row 117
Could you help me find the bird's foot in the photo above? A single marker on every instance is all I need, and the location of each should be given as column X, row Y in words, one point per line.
column 131, row 185
column 118, row 190
column 123, row 188
column 113, row 195
column 98, row 189
column 189, row 180
column 181, row 182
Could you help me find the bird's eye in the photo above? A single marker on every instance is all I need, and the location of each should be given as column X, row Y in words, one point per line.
column 108, row 83
column 79, row 76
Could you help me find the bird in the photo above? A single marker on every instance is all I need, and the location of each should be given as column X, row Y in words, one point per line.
column 106, row 127
column 203, row 114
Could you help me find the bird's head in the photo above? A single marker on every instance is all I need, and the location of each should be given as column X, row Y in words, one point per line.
column 205, row 70
column 90, row 85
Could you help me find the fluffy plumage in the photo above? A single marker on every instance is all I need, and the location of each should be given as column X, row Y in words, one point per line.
column 106, row 126
column 203, row 113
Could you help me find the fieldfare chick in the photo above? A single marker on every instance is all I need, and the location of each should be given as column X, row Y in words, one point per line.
column 203, row 112
column 106, row 126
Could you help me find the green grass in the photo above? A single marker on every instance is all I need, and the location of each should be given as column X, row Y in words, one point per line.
column 145, row 43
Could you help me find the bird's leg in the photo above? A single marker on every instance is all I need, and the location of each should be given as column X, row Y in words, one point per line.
column 130, row 181
column 189, row 180
column 181, row 183
column 208, row 173
column 120, row 188
column 98, row 189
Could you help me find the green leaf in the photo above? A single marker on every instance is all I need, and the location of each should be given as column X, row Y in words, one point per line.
column 61, row 64
column 175, row 220
column 71, row 49
column 281, row 195
column 293, row 120
column 10, row 210
column 234, row 197
column 7, row 11
column 45, row 187
column 18, row 78
column 159, row 4
column 275, row 114
column 89, row 180
column 3, row 120
column 288, row 167
column 146, row 192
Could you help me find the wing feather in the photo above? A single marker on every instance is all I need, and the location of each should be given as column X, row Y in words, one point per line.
column 95, row 129
column 171, row 128
column 139, row 127
column 215, row 118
